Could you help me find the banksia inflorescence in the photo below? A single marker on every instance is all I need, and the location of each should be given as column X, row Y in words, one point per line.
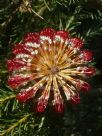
column 52, row 64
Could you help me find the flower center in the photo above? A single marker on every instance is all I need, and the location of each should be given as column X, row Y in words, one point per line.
column 54, row 70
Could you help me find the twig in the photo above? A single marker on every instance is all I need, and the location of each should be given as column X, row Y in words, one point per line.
column 40, row 12
column 69, row 22
column 7, row 98
column 15, row 124
column 46, row 5
column 40, row 125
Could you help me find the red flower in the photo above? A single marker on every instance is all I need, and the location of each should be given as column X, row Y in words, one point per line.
column 50, row 62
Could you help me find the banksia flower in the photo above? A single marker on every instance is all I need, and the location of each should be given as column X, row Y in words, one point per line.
column 50, row 64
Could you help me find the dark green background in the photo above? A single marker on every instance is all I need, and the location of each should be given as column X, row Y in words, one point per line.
column 84, row 119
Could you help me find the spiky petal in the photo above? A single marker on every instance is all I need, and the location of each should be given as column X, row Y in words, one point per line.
column 15, row 64
column 25, row 94
column 76, row 42
column 75, row 99
column 87, row 55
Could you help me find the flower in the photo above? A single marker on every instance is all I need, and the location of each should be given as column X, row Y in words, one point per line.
column 48, row 65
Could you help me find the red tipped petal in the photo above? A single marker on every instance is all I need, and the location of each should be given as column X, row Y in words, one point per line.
column 40, row 108
column 90, row 71
column 16, row 81
column 41, row 105
column 59, row 107
column 19, row 45
column 75, row 99
column 76, row 42
column 21, row 50
column 87, row 71
column 81, row 85
column 87, row 55
column 31, row 37
column 25, row 95
column 42, row 101
column 48, row 32
column 62, row 34
column 85, row 87
column 15, row 64
column 58, row 103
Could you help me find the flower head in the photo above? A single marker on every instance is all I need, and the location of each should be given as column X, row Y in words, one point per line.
column 47, row 65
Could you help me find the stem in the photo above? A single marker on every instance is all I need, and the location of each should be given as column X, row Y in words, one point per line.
column 39, row 13
column 71, row 19
column 3, row 71
column 15, row 124
column 46, row 5
column 7, row 98
column 40, row 126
